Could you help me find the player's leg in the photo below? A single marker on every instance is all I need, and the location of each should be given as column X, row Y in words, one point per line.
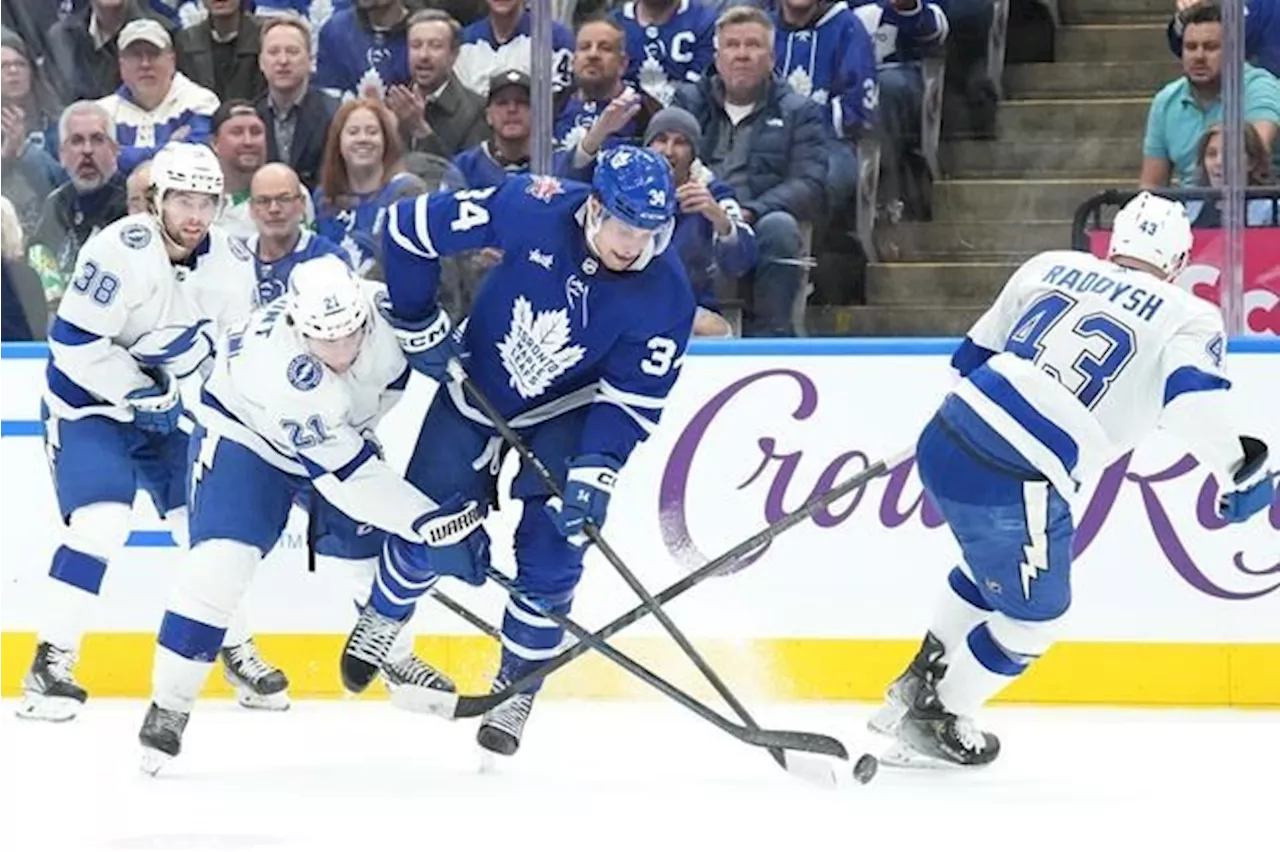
column 164, row 465
column 450, row 460
column 547, row 570
column 413, row 683
column 239, row 506
column 94, row 480
column 1015, row 534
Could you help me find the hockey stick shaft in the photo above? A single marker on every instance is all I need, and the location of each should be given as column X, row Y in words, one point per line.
column 474, row 705
column 550, row 482
column 752, row 734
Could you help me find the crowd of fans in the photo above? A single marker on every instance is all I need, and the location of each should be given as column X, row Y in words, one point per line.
column 1183, row 143
column 366, row 101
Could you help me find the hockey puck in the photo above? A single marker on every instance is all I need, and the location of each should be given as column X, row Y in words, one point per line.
column 865, row 768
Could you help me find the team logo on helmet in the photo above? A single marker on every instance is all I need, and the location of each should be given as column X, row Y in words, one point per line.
column 305, row 372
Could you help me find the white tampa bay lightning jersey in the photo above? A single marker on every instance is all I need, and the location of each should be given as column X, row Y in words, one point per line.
column 270, row 394
column 1079, row 358
column 130, row 307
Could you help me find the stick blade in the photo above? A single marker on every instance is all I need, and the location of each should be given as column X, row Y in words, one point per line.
column 815, row 769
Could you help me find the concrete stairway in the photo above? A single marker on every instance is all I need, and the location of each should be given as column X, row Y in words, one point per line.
column 1069, row 129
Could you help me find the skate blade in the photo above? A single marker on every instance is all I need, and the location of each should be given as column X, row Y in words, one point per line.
column 490, row 762
column 48, row 708
column 903, row 756
column 433, row 702
column 887, row 720
column 153, row 760
column 250, row 700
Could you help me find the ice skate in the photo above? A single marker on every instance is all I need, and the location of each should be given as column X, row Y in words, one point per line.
column 258, row 684
column 931, row 736
column 902, row 693
column 161, row 737
column 418, row 687
column 49, row 692
column 367, row 648
column 502, row 727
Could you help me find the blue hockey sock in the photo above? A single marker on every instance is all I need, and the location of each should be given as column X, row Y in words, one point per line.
column 189, row 638
column 528, row 638
column 78, row 569
column 397, row 586
column 979, row 669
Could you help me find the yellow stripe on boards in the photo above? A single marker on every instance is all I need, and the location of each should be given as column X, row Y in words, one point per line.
column 1130, row 673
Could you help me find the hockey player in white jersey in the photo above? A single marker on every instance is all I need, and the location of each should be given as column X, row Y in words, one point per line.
column 1078, row 359
column 287, row 415
column 150, row 294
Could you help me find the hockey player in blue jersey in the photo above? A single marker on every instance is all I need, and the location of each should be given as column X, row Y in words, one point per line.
column 1075, row 363
column 576, row 337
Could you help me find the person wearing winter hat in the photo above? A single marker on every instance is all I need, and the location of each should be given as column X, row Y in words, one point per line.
column 710, row 233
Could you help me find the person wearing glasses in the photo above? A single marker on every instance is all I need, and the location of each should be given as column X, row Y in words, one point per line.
column 278, row 206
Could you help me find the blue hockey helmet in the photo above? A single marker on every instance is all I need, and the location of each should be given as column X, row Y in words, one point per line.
column 636, row 186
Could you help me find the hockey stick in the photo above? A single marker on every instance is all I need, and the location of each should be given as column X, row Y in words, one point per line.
column 466, row 706
column 549, row 481
column 798, row 742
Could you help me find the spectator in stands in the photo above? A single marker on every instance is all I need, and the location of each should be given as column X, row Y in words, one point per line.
column 506, row 151
column 156, row 104
column 1261, row 31
column 364, row 50
column 1258, row 212
column 32, row 22
column 278, row 204
column 94, row 197
column 710, row 234
column 28, row 100
column 28, row 175
column 668, row 42
column 905, row 32
column 437, row 114
column 26, row 314
column 501, row 41
column 1183, row 110
column 240, row 141
column 296, row 113
column 138, row 187
column 360, row 177
column 769, row 144
column 598, row 65
column 221, row 53
column 824, row 52
column 84, row 46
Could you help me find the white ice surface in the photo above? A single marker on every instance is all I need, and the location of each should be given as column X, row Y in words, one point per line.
column 614, row 776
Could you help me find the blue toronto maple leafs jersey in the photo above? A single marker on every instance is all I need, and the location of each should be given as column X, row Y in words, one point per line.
column 662, row 56
column 577, row 117
column 902, row 37
column 355, row 229
column 832, row 61
column 552, row 329
column 350, row 56
column 478, row 167
column 273, row 276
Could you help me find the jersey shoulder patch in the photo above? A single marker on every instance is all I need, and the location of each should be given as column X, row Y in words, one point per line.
column 544, row 187
column 305, row 372
column 135, row 236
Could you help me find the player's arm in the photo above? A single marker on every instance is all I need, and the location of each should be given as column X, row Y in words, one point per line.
column 93, row 311
column 1196, row 409
column 345, row 465
column 638, row 375
column 992, row 330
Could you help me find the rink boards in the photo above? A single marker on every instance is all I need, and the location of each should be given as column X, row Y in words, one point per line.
column 1170, row 606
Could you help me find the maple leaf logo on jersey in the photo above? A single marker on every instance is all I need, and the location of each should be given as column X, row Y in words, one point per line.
column 654, row 81
column 536, row 351
column 544, row 187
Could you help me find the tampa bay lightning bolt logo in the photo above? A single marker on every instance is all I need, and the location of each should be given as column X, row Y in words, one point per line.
column 135, row 236
column 305, row 372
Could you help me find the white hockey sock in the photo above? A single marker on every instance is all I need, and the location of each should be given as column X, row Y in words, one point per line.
column 986, row 661
column 960, row 609
column 238, row 629
column 176, row 680
column 95, row 536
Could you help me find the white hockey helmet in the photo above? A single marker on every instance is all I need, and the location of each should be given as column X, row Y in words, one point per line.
column 325, row 300
column 185, row 167
column 1154, row 230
